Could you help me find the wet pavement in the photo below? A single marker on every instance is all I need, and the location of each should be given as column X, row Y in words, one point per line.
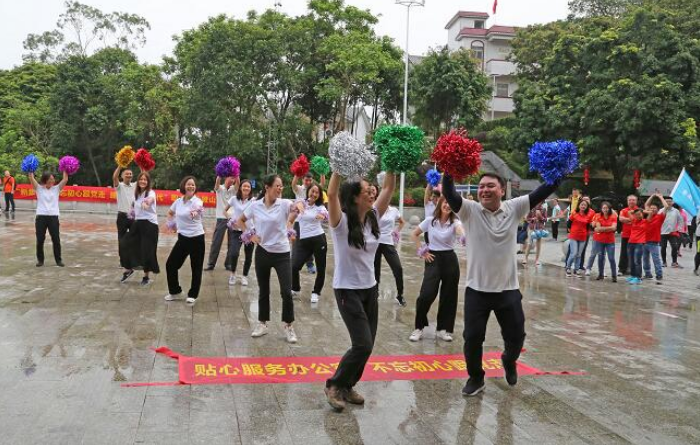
column 69, row 337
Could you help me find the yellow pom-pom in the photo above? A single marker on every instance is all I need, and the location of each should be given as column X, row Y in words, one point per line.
column 125, row 156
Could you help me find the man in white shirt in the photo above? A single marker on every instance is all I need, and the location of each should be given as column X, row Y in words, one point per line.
column 223, row 194
column 125, row 199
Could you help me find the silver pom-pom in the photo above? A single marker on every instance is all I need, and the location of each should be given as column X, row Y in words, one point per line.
column 380, row 178
column 349, row 157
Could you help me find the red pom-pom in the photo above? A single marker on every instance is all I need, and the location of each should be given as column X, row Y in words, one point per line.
column 300, row 166
column 144, row 160
column 457, row 155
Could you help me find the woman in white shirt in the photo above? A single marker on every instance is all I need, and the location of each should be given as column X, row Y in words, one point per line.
column 441, row 271
column 239, row 202
column 186, row 215
column 312, row 241
column 140, row 245
column 354, row 222
column 388, row 250
column 273, row 218
column 47, row 193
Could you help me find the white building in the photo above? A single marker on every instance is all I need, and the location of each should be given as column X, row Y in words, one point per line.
column 491, row 46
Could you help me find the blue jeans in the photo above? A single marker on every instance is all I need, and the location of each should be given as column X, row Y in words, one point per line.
column 575, row 251
column 653, row 250
column 601, row 250
column 634, row 253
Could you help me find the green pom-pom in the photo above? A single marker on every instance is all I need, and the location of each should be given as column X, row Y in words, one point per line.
column 401, row 147
column 320, row 165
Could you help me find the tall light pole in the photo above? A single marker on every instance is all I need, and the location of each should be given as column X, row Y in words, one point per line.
column 404, row 115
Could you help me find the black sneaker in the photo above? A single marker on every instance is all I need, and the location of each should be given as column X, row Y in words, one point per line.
column 145, row 281
column 511, row 372
column 39, row 264
column 60, row 264
column 473, row 387
column 614, row 279
column 648, row 277
column 126, row 276
column 401, row 300
column 599, row 278
column 209, row 268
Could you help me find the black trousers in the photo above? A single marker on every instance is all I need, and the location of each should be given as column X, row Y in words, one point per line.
column 555, row 230
column 50, row 223
column 217, row 240
column 123, row 226
column 139, row 247
column 359, row 309
column 623, row 264
column 309, row 259
column 264, row 263
column 507, row 306
column 392, row 257
column 443, row 275
column 186, row 247
column 234, row 251
column 303, row 249
column 9, row 200
column 675, row 242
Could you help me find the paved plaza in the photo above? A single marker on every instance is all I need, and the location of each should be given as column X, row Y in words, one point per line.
column 70, row 337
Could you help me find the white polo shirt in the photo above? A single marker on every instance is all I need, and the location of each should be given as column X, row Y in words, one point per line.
column 491, row 261
column 354, row 268
column 386, row 225
column 222, row 197
column 309, row 224
column 186, row 224
column 271, row 223
column 125, row 197
column 47, row 200
column 238, row 207
column 442, row 236
column 149, row 213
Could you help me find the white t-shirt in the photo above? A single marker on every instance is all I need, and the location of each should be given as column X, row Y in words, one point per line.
column 125, row 197
column 149, row 213
column 354, row 268
column 491, row 261
column 429, row 209
column 237, row 209
column 386, row 225
column 309, row 226
column 186, row 224
column 222, row 197
column 442, row 236
column 300, row 192
column 47, row 200
column 271, row 223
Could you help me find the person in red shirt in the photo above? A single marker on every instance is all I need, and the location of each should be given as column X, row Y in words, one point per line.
column 580, row 219
column 605, row 225
column 626, row 229
column 635, row 245
column 652, row 247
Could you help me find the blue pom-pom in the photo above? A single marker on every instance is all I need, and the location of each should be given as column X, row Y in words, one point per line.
column 553, row 160
column 30, row 164
column 433, row 177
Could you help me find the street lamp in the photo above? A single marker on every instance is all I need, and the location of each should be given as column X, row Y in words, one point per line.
column 407, row 4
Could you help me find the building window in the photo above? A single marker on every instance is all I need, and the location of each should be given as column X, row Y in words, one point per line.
column 477, row 49
column 502, row 90
column 478, row 24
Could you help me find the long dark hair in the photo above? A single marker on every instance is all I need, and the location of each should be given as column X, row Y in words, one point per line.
column 319, row 200
column 437, row 213
column 610, row 210
column 578, row 205
column 356, row 236
column 239, row 193
column 267, row 182
column 137, row 189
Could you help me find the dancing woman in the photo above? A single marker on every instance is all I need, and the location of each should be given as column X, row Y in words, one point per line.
column 580, row 221
column 312, row 241
column 47, row 213
column 354, row 221
column 239, row 202
column 441, row 271
column 388, row 250
column 186, row 215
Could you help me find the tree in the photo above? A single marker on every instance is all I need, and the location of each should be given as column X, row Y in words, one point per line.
column 448, row 90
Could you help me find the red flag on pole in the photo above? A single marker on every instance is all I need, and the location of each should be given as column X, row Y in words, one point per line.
column 495, row 3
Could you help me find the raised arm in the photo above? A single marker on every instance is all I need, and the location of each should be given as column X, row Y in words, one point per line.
column 541, row 193
column 32, row 181
column 426, row 195
column 335, row 213
column 322, row 181
column 217, row 183
column 663, row 201
column 115, row 177
column 384, row 198
column 295, row 181
column 450, row 193
column 64, row 181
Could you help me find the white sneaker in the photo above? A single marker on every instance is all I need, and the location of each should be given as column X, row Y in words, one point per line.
column 171, row 297
column 416, row 335
column 444, row 335
column 260, row 330
column 232, row 280
column 244, row 281
column 314, row 298
column 291, row 335
column 191, row 301
column 588, row 272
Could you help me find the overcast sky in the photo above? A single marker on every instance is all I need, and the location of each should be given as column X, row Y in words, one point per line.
column 170, row 17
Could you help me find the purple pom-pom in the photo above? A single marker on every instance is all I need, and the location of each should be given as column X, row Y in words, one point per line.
column 553, row 160
column 291, row 233
column 463, row 240
column 228, row 166
column 422, row 250
column 197, row 211
column 324, row 213
column 170, row 224
column 132, row 214
column 232, row 224
column 69, row 164
column 433, row 177
column 247, row 236
column 396, row 236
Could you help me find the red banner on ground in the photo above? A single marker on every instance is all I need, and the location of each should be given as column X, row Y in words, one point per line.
column 240, row 370
column 109, row 195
